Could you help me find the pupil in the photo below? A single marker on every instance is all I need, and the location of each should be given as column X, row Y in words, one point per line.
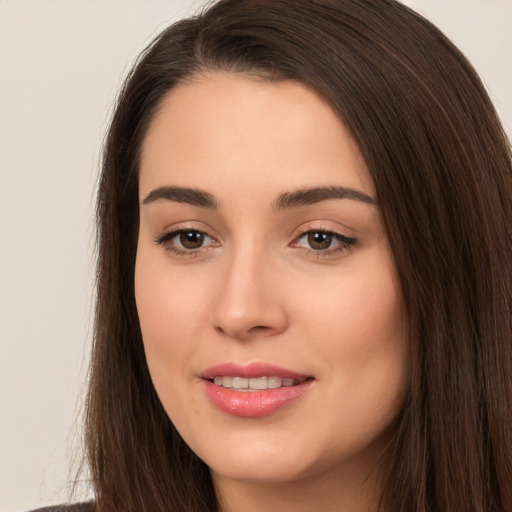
column 319, row 240
column 192, row 239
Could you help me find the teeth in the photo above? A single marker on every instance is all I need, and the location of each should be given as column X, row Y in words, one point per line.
column 227, row 382
column 239, row 382
column 274, row 382
column 257, row 383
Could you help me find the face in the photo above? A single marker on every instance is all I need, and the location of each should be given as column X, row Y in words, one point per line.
column 270, row 311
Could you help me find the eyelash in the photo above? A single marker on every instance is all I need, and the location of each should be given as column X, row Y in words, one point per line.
column 166, row 241
column 345, row 242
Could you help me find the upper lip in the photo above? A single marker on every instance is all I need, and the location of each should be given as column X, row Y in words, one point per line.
column 250, row 370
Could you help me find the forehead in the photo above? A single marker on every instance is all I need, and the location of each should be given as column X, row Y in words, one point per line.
column 232, row 133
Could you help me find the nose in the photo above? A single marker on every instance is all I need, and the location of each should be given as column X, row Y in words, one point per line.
column 250, row 304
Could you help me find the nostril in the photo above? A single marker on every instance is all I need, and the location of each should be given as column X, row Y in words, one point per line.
column 260, row 330
column 242, row 334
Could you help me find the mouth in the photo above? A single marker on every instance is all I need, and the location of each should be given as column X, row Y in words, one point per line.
column 245, row 384
column 253, row 390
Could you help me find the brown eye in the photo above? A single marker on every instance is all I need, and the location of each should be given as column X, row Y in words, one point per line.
column 183, row 242
column 324, row 243
column 191, row 239
column 319, row 240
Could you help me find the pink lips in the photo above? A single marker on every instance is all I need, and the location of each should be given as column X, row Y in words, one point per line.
column 253, row 404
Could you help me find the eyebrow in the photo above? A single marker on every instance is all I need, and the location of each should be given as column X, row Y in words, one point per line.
column 286, row 200
column 314, row 195
column 191, row 196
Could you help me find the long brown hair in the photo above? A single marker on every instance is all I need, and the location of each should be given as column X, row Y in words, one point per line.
column 442, row 170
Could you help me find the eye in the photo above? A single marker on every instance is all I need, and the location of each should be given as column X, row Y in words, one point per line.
column 190, row 239
column 323, row 242
column 185, row 241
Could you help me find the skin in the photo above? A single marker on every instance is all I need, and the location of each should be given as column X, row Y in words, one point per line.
column 257, row 290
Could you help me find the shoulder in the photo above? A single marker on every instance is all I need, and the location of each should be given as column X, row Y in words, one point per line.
column 77, row 507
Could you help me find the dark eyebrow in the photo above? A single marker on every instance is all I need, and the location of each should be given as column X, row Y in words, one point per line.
column 315, row 195
column 286, row 200
column 191, row 196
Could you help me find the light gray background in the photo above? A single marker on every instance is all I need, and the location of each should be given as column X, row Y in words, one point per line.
column 61, row 62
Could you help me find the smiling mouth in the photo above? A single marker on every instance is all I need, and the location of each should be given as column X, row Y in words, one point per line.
column 255, row 383
column 253, row 390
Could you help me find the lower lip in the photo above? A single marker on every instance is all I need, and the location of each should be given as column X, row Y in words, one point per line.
column 254, row 404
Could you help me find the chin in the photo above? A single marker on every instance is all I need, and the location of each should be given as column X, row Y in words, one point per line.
column 255, row 458
column 262, row 471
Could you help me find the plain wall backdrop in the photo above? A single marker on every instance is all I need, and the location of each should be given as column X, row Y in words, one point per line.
column 61, row 64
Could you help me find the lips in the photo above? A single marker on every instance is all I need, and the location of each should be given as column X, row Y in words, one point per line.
column 253, row 390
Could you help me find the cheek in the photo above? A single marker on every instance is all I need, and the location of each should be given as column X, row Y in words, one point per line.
column 360, row 330
column 360, row 313
column 170, row 313
column 170, row 302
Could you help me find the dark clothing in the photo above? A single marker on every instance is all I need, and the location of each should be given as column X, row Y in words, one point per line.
column 78, row 507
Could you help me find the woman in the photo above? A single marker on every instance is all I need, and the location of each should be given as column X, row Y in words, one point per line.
column 304, row 286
